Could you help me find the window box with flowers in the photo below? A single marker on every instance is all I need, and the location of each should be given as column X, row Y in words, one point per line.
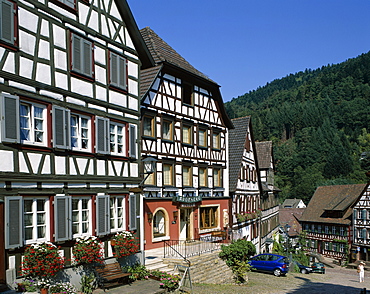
column 124, row 244
column 87, row 251
column 245, row 216
column 42, row 261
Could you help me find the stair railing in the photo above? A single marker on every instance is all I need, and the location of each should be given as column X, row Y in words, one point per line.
column 172, row 246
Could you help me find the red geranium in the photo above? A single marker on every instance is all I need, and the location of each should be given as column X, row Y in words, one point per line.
column 125, row 244
column 87, row 250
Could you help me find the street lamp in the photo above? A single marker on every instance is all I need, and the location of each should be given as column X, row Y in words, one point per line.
column 287, row 228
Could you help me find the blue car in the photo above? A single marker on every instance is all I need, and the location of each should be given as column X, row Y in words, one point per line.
column 267, row 262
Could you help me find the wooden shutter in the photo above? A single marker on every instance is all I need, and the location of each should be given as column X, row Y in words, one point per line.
column 7, row 21
column 62, row 218
column 13, row 222
column 102, row 135
column 132, row 212
column 122, row 73
column 113, row 69
column 133, row 145
column 87, row 58
column 76, row 53
column 61, row 128
column 102, row 215
column 118, row 72
column 10, row 119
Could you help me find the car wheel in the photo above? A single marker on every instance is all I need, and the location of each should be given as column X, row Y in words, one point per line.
column 303, row 271
column 277, row 272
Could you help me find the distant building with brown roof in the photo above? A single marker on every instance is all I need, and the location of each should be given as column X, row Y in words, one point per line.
column 293, row 203
column 327, row 219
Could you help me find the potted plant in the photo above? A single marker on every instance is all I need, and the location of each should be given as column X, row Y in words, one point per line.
column 42, row 261
column 62, row 288
column 125, row 244
column 87, row 250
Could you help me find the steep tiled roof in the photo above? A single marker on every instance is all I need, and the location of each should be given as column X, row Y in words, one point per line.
column 237, row 137
column 264, row 153
column 161, row 52
column 338, row 198
column 291, row 217
column 147, row 77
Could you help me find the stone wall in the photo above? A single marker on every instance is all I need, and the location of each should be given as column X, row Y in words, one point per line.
column 206, row 268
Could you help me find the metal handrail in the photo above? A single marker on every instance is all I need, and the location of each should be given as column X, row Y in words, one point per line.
column 168, row 245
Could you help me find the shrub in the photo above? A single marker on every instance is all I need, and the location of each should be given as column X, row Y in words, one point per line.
column 42, row 260
column 239, row 250
column 138, row 272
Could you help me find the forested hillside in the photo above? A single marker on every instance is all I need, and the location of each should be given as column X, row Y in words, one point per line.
column 318, row 121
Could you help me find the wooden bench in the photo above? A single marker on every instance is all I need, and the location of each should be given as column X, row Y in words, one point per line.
column 111, row 274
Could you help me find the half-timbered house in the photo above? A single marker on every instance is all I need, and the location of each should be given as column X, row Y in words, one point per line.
column 361, row 227
column 245, row 185
column 269, row 195
column 70, row 114
column 185, row 127
column 327, row 220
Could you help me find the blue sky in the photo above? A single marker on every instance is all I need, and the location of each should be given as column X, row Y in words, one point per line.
column 243, row 44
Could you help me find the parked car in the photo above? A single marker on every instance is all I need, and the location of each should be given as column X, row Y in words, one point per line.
column 303, row 269
column 318, row 267
column 267, row 262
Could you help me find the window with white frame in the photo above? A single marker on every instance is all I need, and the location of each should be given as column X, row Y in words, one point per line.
column 117, row 139
column 341, row 247
column 32, row 123
column 334, row 230
column 118, row 71
column 326, row 245
column 82, row 56
column 80, row 132
column 326, row 230
column 8, row 27
column 81, row 216
column 117, row 215
column 35, row 216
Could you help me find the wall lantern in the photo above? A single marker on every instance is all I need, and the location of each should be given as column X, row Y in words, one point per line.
column 175, row 215
column 150, row 217
column 150, row 165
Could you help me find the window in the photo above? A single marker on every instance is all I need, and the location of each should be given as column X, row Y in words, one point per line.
column 326, row 230
column 8, row 25
column 81, row 216
column 341, row 247
column 319, row 229
column 118, row 71
column 159, row 224
column 35, row 219
column 187, row 132
column 326, row 245
column 150, row 180
column 32, row 123
column 334, row 230
column 341, row 231
column 69, row 3
column 217, row 177
column 187, row 93
column 80, row 132
column 82, row 56
column 202, row 176
column 117, row 215
column 167, row 130
column 148, row 126
column 208, row 217
column 216, row 140
column 117, row 139
column 202, row 138
column 363, row 214
column 187, row 176
column 167, row 174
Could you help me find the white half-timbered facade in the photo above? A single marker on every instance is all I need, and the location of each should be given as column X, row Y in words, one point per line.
column 361, row 227
column 245, row 185
column 269, row 195
column 185, row 127
column 70, row 113
column 327, row 220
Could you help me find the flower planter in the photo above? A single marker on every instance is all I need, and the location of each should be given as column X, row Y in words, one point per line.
column 113, row 242
column 44, row 291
